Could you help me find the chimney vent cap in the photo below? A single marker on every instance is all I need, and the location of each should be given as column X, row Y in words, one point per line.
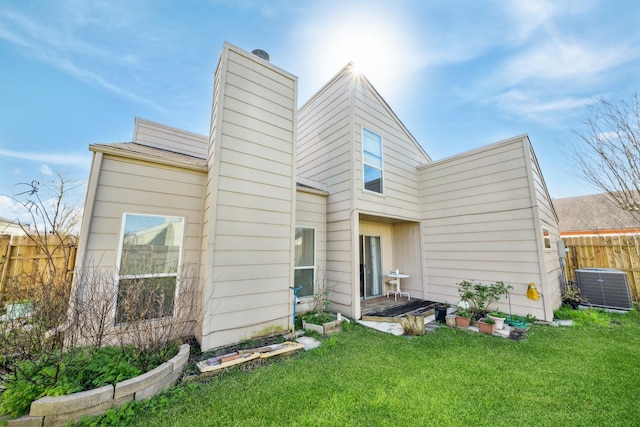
column 261, row 54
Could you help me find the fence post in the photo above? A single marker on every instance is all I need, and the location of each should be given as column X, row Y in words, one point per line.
column 5, row 250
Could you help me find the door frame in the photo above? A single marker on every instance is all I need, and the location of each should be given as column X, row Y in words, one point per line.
column 364, row 265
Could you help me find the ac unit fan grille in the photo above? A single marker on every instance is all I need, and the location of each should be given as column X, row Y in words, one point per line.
column 604, row 287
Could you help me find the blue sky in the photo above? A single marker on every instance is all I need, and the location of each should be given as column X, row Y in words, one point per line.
column 459, row 74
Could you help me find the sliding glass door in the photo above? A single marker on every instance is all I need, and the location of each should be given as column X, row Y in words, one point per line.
column 370, row 267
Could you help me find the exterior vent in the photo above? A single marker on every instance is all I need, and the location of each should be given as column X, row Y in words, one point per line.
column 605, row 287
column 261, row 54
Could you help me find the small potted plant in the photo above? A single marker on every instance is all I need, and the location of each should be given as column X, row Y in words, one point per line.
column 324, row 323
column 440, row 313
column 487, row 325
column 463, row 318
column 319, row 320
column 499, row 318
column 479, row 296
column 451, row 320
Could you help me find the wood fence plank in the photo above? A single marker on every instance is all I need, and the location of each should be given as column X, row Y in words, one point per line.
column 621, row 252
column 21, row 257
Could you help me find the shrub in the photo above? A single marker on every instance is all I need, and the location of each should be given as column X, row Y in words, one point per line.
column 482, row 296
column 84, row 369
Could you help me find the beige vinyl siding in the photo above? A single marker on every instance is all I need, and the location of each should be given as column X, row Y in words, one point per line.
column 136, row 187
column 479, row 224
column 252, row 195
column 398, row 243
column 550, row 287
column 401, row 156
column 209, row 209
column 407, row 256
column 324, row 154
column 82, row 256
column 120, row 185
column 167, row 138
column 311, row 212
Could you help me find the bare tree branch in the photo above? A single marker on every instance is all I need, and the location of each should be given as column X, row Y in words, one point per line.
column 607, row 151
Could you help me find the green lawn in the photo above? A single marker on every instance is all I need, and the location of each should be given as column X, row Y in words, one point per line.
column 583, row 375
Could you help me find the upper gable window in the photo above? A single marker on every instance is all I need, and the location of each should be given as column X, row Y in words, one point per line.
column 372, row 159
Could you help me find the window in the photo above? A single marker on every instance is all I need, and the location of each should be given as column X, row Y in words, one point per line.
column 305, row 260
column 372, row 159
column 148, row 267
column 547, row 239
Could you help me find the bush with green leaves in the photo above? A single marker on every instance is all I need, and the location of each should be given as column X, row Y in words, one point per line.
column 480, row 296
column 65, row 373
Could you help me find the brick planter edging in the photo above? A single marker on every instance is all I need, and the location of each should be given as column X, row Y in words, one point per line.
column 57, row 411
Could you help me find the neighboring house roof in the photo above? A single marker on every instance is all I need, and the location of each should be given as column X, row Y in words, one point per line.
column 593, row 214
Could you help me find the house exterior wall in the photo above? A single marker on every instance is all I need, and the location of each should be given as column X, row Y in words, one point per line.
column 121, row 185
column 550, row 288
column 324, row 154
column 385, row 232
column 130, row 186
column 407, row 256
column 480, row 224
column 400, row 201
column 311, row 211
column 330, row 150
column 475, row 216
column 168, row 138
column 251, row 201
column 401, row 157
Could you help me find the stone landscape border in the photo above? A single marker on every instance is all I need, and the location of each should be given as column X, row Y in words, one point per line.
column 59, row 410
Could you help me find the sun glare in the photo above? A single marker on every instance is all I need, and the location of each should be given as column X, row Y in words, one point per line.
column 378, row 42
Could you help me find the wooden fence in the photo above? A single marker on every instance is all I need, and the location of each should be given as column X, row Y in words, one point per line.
column 22, row 259
column 621, row 252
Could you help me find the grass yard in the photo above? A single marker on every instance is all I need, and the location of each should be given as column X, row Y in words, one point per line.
column 572, row 376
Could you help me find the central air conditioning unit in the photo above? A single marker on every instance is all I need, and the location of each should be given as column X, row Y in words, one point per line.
column 605, row 287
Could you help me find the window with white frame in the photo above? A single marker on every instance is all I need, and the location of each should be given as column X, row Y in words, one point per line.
column 148, row 266
column 547, row 238
column 372, row 161
column 305, row 260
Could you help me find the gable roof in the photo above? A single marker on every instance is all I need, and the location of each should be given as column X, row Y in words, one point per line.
column 349, row 70
column 593, row 214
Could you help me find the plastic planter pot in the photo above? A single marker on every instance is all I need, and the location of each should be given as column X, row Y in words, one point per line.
column 441, row 313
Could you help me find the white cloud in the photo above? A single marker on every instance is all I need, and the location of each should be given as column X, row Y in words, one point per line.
column 12, row 210
column 539, row 107
column 559, row 60
column 548, row 63
column 46, row 170
column 63, row 50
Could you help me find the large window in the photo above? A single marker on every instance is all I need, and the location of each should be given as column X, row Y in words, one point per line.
column 305, row 260
column 148, row 267
column 372, row 161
